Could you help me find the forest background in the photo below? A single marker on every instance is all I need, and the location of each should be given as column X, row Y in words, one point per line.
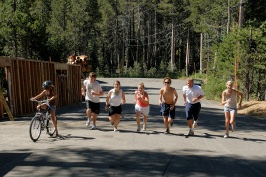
column 212, row 40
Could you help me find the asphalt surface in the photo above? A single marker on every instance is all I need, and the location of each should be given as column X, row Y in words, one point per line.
column 80, row 151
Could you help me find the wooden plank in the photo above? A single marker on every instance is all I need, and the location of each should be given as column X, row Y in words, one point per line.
column 61, row 66
column 18, row 89
column 5, row 61
column 1, row 110
column 28, row 95
column 3, row 101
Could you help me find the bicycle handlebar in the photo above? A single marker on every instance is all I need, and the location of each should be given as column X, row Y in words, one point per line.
column 39, row 101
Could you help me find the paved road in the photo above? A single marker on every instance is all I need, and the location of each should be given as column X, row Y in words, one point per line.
column 83, row 152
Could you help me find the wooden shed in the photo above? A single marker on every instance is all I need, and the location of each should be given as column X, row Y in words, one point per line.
column 25, row 78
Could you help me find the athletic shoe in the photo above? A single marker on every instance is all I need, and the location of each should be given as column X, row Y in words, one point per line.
column 167, row 131
column 138, row 129
column 115, row 130
column 233, row 126
column 144, row 127
column 195, row 124
column 226, row 136
column 93, row 127
column 88, row 122
column 191, row 133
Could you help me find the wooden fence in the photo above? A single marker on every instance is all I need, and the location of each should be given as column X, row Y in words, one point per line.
column 25, row 78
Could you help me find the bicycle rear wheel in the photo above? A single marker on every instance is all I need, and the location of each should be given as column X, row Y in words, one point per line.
column 35, row 128
column 50, row 126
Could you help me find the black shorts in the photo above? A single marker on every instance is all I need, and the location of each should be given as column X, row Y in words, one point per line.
column 115, row 110
column 94, row 107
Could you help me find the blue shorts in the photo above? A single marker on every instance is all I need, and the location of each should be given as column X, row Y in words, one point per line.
column 193, row 110
column 166, row 111
column 51, row 107
column 231, row 110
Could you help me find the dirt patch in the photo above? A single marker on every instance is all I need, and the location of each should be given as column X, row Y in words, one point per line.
column 254, row 108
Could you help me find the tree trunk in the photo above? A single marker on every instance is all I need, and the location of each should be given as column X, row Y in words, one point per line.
column 201, row 46
column 187, row 54
column 173, row 45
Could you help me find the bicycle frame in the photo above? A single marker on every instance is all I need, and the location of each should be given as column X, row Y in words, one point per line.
column 40, row 121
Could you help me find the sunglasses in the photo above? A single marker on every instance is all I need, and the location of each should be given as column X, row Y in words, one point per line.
column 167, row 82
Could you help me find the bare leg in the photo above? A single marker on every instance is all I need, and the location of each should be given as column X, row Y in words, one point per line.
column 189, row 123
column 117, row 120
column 227, row 122
column 145, row 120
column 170, row 120
column 232, row 118
column 94, row 118
column 88, row 112
column 54, row 122
column 112, row 118
column 166, row 123
column 138, row 119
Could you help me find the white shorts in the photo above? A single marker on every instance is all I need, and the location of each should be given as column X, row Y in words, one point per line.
column 144, row 110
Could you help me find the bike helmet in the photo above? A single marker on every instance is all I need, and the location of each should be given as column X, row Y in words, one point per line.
column 46, row 84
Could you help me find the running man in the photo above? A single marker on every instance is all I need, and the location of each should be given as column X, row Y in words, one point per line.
column 167, row 100
column 192, row 95
column 92, row 98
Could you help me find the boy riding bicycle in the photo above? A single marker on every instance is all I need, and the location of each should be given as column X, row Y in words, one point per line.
column 49, row 92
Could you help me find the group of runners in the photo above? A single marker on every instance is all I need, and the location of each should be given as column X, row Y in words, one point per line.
column 192, row 94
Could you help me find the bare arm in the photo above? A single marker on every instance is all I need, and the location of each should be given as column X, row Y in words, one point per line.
column 223, row 98
column 241, row 97
column 123, row 97
column 198, row 98
column 176, row 96
column 160, row 97
column 83, row 88
column 146, row 98
column 107, row 100
column 53, row 97
column 38, row 96
column 185, row 98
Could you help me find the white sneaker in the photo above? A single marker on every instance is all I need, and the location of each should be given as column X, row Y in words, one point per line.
column 191, row 133
column 138, row 129
column 93, row 127
column 116, row 130
column 195, row 124
column 226, row 136
column 88, row 122
column 144, row 127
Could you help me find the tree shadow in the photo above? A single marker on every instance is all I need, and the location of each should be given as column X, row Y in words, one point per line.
column 101, row 162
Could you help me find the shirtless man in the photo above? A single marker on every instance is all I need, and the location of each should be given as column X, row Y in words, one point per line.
column 167, row 101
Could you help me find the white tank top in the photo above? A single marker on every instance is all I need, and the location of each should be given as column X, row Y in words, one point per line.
column 115, row 100
column 232, row 103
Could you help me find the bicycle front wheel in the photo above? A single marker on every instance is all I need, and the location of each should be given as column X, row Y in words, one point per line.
column 50, row 127
column 35, row 128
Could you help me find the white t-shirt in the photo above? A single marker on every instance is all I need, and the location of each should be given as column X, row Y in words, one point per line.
column 193, row 92
column 92, row 87
column 115, row 100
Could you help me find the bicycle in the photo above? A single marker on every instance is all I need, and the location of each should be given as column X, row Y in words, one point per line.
column 40, row 121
